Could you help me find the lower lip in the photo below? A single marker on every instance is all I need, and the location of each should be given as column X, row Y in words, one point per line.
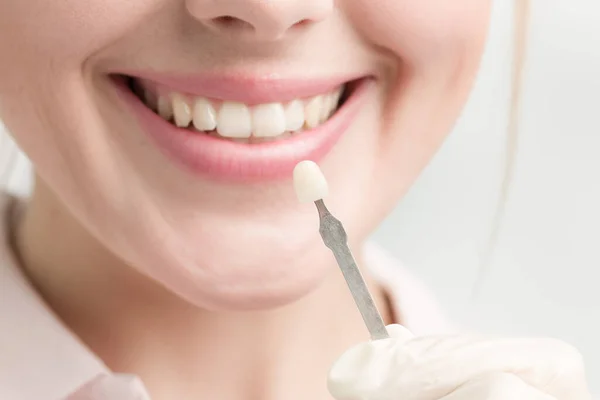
column 221, row 159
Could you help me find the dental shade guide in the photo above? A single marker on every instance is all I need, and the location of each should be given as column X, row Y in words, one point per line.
column 311, row 186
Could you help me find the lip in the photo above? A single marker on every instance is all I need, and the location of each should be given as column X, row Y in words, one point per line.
column 225, row 160
column 250, row 90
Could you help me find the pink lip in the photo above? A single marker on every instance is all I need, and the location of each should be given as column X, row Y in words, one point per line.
column 220, row 159
column 245, row 89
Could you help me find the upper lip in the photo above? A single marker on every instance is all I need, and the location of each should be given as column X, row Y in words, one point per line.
column 248, row 89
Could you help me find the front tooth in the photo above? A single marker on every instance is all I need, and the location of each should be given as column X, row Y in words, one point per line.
column 234, row 120
column 294, row 116
column 165, row 110
column 181, row 111
column 268, row 120
column 205, row 116
column 312, row 112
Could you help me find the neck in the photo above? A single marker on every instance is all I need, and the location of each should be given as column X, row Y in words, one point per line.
column 181, row 351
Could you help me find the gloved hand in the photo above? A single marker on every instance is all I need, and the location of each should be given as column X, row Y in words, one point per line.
column 458, row 368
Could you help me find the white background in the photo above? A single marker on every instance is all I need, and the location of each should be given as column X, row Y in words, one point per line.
column 544, row 277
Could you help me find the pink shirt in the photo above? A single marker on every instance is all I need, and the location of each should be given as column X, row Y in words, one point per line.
column 41, row 359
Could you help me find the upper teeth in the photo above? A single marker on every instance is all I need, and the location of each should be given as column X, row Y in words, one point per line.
column 238, row 120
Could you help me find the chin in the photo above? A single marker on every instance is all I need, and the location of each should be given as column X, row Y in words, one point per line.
column 246, row 279
column 251, row 295
column 230, row 267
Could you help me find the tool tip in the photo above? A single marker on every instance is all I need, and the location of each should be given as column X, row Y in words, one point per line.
column 309, row 182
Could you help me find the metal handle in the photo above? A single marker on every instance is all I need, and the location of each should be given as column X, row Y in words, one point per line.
column 335, row 238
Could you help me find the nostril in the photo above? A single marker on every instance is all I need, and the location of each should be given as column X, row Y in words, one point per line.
column 227, row 21
column 302, row 22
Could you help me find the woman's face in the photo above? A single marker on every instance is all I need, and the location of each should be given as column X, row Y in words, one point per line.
column 205, row 209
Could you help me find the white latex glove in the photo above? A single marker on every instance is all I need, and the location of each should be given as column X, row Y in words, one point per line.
column 458, row 368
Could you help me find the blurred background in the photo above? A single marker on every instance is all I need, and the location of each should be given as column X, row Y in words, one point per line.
column 544, row 276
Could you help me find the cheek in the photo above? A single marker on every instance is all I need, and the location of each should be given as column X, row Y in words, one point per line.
column 67, row 30
column 434, row 48
column 422, row 31
column 41, row 72
column 46, row 43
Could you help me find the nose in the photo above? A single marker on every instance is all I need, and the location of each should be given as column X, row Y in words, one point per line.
column 264, row 20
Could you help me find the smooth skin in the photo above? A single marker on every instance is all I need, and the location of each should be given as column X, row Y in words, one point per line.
column 193, row 275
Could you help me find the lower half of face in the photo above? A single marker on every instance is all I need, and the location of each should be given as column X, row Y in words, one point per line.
column 170, row 129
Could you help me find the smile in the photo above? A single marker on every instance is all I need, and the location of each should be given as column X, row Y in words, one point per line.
column 242, row 129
